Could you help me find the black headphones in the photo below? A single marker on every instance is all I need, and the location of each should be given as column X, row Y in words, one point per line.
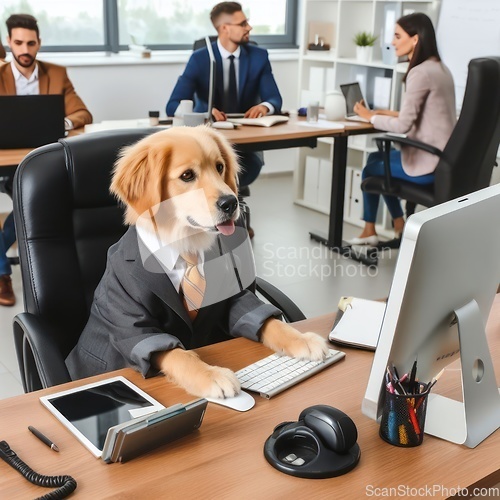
column 321, row 444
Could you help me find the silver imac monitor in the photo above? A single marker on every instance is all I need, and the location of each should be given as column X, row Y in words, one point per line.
column 446, row 278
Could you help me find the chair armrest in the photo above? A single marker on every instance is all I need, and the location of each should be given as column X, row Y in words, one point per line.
column 277, row 298
column 40, row 360
column 384, row 146
column 399, row 139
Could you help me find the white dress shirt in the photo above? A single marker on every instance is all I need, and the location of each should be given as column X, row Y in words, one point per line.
column 26, row 86
column 225, row 70
column 169, row 258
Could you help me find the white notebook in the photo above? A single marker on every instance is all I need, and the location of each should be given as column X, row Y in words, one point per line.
column 263, row 121
column 358, row 323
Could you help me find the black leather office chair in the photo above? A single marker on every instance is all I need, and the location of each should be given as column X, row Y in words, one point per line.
column 466, row 163
column 66, row 220
column 198, row 44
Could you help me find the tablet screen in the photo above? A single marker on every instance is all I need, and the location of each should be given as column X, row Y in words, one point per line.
column 90, row 410
column 352, row 93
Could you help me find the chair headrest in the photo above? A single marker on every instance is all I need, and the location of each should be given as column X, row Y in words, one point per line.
column 90, row 159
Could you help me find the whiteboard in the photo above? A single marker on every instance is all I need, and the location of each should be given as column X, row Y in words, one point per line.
column 467, row 29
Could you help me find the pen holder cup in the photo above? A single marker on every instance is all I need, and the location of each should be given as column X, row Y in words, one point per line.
column 403, row 418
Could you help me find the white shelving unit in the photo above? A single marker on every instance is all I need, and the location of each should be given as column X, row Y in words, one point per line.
column 321, row 72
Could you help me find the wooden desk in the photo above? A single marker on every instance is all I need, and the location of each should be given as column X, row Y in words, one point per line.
column 9, row 157
column 288, row 135
column 12, row 157
column 292, row 134
column 225, row 460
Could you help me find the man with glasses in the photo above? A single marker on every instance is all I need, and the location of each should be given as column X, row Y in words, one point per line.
column 244, row 84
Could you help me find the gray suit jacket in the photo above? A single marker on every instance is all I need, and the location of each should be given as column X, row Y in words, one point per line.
column 137, row 312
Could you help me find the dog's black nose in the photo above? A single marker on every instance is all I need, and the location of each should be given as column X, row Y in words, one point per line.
column 228, row 204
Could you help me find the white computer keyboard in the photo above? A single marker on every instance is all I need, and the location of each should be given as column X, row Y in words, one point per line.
column 274, row 374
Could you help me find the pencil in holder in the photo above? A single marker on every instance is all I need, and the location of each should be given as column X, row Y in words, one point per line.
column 403, row 418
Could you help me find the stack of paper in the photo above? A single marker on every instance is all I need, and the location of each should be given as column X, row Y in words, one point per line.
column 263, row 121
column 358, row 323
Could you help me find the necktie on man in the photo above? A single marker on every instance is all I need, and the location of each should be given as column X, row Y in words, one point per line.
column 231, row 95
column 192, row 286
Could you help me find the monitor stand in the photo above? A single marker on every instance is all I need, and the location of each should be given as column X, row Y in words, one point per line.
column 472, row 421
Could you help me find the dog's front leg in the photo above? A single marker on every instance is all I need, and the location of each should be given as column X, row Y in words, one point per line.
column 284, row 339
column 187, row 370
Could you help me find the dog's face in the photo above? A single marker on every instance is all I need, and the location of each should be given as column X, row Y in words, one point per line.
column 184, row 180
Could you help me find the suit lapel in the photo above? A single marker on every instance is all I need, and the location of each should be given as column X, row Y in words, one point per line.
column 220, row 276
column 219, row 273
column 43, row 79
column 154, row 277
column 216, row 270
column 8, row 83
column 219, row 82
column 243, row 72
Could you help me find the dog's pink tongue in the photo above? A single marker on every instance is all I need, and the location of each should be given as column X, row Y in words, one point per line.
column 226, row 228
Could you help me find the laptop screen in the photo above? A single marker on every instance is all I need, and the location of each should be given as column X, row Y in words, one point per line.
column 352, row 93
column 30, row 121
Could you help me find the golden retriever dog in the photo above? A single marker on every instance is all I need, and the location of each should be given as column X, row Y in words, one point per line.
column 169, row 166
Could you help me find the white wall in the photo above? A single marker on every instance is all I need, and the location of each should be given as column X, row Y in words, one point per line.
column 121, row 87
column 128, row 90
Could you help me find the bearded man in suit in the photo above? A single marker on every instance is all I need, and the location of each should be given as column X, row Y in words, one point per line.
column 25, row 75
column 256, row 92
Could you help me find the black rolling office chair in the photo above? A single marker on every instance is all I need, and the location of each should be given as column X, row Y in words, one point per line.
column 198, row 44
column 466, row 163
column 66, row 220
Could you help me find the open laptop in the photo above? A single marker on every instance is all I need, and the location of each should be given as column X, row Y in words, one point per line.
column 30, row 121
column 352, row 93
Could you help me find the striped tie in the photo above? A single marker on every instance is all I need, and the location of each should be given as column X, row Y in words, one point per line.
column 192, row 286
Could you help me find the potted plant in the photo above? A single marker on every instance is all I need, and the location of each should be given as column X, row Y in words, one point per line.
column 364, row 45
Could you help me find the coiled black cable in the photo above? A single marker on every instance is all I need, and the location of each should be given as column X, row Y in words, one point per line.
column 65, row 484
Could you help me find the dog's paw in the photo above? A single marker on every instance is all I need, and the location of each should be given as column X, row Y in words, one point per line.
column 219, row 383
column 313, row 347
column 187, row 370
column 284, row 339
column 211, row 381
column 307, row 345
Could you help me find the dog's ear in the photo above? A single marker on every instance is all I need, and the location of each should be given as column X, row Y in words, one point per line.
column 230, row 159
column 138, row 176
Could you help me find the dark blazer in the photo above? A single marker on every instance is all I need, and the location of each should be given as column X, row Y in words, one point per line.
column 256, row 81
column 53, row 79
column 137, row 311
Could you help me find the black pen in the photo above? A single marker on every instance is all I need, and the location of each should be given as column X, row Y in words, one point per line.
column 413, row 377
column 42, row 438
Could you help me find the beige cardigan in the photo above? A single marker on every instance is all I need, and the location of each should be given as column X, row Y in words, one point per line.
column 428, row 114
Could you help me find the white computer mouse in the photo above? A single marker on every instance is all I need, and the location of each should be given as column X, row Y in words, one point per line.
column 225, row 125
column 242, row 402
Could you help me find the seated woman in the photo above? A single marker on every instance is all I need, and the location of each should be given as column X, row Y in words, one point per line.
column 428, row 114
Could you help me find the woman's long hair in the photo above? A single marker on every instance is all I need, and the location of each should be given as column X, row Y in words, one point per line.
column 420, row 24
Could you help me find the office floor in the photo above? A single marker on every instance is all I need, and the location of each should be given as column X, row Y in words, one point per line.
column 284, row 254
